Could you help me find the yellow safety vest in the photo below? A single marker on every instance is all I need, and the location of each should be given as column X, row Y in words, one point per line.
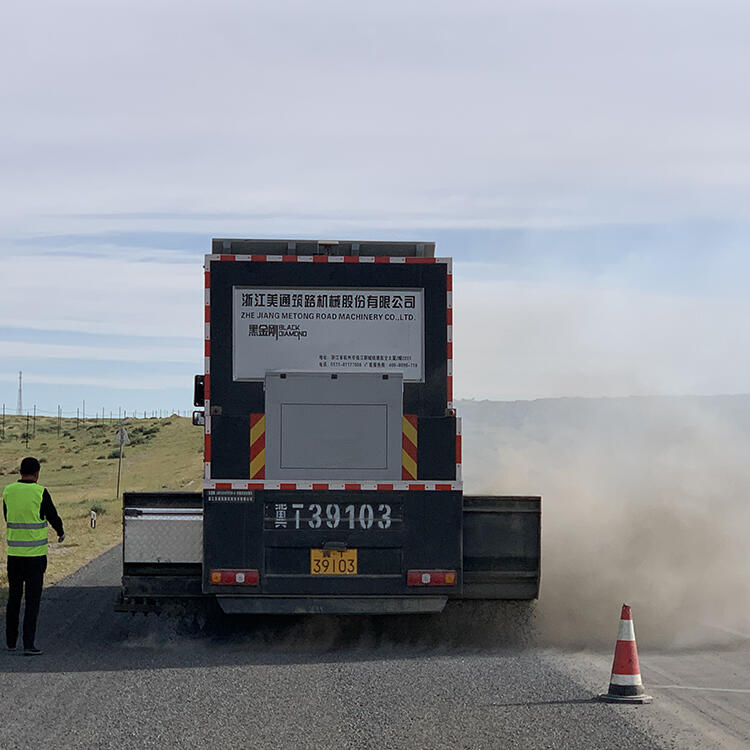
column 27, row 532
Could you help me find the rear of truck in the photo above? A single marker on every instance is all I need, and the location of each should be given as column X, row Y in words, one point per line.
column 332, row 449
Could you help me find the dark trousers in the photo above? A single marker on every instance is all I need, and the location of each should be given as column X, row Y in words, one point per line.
column 24, row 573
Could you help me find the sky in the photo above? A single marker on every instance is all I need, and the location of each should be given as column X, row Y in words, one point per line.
column 586, row 164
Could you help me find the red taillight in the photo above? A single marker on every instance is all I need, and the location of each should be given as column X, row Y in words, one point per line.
column 234, row 577
column 431, row 578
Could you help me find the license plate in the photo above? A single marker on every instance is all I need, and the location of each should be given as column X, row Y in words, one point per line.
column 333, row 562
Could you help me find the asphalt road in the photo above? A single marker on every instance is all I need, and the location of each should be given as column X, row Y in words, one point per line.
column 467, row 679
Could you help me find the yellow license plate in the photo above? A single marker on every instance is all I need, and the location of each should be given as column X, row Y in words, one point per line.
column 333, row 562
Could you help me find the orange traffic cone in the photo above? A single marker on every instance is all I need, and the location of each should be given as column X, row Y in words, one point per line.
column 625, row 685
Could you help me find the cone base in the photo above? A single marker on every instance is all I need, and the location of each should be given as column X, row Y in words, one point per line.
column 607, row 698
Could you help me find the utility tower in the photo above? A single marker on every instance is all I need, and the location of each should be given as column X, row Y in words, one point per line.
column 19, row 407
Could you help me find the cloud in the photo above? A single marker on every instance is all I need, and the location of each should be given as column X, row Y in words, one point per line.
column 346, row 120
column 108, row 295
column 536, row 314
column 494, row 114
column 516, row 340
column 29, row 350
column 151, row 381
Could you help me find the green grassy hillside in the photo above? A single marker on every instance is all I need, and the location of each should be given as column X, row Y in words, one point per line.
column 79, row 468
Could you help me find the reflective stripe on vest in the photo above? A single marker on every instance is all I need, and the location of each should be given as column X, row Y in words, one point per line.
column 40, row 525
column 27, row 532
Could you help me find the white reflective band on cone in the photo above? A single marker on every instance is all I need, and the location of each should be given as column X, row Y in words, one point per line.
column 626, row 631
column 625, row 679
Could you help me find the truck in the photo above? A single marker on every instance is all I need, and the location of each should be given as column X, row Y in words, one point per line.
column 332, row 448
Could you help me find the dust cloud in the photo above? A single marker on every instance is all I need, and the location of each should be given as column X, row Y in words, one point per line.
column 645, row 501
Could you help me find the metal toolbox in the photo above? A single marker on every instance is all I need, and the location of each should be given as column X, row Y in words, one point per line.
column 162, row 533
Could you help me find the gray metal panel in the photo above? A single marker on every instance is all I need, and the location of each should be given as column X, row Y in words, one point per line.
column 322, row 247
column 340, row 443
column 171, row 536
column 344, row 426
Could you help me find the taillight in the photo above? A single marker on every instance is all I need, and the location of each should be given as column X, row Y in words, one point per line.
column 431, row 578
column 234, row 577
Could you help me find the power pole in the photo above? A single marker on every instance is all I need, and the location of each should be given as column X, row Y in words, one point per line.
column 19, row 408
column 122, row 439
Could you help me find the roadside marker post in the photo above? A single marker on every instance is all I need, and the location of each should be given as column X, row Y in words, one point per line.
column 120, row 439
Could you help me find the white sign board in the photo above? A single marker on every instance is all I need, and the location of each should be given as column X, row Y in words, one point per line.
column 327, row 330
column 121, row 438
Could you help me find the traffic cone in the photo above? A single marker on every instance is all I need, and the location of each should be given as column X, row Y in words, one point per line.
column 625, row 685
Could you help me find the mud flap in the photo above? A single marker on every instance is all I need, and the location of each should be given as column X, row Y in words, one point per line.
column 501, row 547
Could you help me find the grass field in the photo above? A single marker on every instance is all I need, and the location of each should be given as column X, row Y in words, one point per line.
column 79, row 468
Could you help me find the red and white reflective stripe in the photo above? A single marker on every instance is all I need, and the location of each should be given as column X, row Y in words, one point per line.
column 207, row 316
column 458, row 450
column 326, row 259
column 449, row 331
column 245, row 484
column 207, row 372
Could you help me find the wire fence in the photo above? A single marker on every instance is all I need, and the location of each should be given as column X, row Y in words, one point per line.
column 73, row 420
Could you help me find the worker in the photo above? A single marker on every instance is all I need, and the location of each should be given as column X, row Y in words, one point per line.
column 28, row 508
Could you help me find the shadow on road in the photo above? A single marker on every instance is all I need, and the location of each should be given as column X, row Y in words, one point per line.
column 79, row 631
column 531, row 704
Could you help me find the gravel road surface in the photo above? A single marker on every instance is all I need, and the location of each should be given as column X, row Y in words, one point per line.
column 466, row 679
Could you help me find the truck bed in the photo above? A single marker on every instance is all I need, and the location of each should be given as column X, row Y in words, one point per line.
column 162, row 560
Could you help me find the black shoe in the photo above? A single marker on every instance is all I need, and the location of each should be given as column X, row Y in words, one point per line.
column 33, row 651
